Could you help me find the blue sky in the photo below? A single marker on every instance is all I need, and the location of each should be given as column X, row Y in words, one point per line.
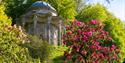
column 116, row 7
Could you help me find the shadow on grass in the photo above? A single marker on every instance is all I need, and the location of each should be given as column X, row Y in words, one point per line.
column 59, row 59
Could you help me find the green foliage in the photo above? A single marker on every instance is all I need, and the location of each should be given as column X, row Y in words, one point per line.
column 97, row 12
column 79, row 5
column 115, row 28
column 57, row 53
column 15, row 47
column 65, row 8
column 4, row 19
column 11, row 51
column 15, row 8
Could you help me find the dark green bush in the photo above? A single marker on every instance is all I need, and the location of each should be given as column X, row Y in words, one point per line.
column 38, row 48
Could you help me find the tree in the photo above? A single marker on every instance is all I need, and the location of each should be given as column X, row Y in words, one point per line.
column 79, row 5
column 89, row 12
column 65, row 8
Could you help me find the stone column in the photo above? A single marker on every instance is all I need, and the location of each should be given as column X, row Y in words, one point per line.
column 60, row 33
column 49, row 34
column 23, row 21
column 35, row 23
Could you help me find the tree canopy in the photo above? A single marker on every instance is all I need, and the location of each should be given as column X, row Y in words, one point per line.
column 65, row 8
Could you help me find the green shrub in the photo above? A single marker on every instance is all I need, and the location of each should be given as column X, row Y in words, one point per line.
column 15, row 47
column 11, row 51
column 38, row 48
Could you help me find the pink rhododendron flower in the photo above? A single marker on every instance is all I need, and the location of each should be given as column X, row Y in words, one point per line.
column 114, row 55
column 84, row 52
column 77, row 23
column 101, row 55
column 93, row 55
column 68, row 27
column 85, row 39
column 96, row 43
column 109, row 38
column 93, row 22
column 113, row 46
column 89, row 34
column 93, row 47
column 97, row 61
column 117, row 50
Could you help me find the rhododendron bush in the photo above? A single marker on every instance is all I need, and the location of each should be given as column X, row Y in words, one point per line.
column 89, row 43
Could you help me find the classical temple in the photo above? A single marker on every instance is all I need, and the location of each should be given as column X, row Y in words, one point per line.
column 42, row 20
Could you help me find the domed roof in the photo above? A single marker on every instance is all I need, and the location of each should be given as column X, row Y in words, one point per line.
column 39, row 4
column 42, row 4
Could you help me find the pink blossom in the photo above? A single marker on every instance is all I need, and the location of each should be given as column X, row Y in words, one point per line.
column 79, row 24
column 68, row 27
column 93, row 22
column 97, row 61
column 96, row 43
column 89, row 34
column 114, row 55
column 85, row 39
column 79, row 31
column 83, row 33
column 99, row 47
column 101, row 55
column 117, row 50
column 77, row 49
column 113, row 46
column 93, row 55
column 93, row 47
column 84, row 52
column 109, row 38
column 69, row 33
column 75, row 21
